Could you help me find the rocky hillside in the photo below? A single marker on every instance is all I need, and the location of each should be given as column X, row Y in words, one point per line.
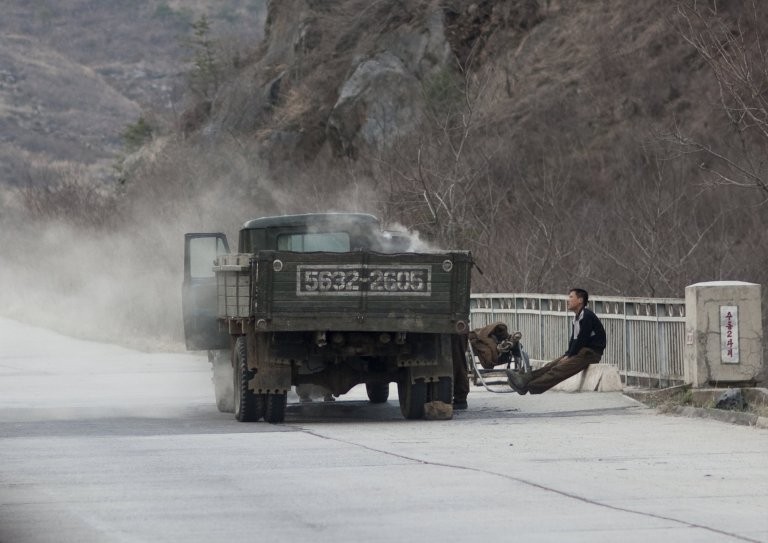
column 351, row 76
column 506, row 126
column 75, row 73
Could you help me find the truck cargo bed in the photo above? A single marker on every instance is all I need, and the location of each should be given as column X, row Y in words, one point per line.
column 356, row 291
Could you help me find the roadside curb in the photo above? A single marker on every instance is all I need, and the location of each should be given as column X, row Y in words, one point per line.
column 662, row 401
column 732, row 417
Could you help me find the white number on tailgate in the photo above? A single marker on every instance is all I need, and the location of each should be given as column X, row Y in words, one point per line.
column 350, row 279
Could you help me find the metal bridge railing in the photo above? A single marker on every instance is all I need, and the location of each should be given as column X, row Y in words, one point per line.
column 645, row 335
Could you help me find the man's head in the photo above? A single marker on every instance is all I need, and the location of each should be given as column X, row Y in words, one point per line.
column 577, row 298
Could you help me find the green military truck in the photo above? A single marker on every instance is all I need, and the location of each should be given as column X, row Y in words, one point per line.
column 328, row 299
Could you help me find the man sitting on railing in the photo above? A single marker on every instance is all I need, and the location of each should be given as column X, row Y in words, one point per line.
column 585, row 347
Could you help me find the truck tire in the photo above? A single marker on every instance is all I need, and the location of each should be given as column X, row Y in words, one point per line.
column 223, row 379
column 377, row 392
column 248, row 407
column 412, row 396
column 275, row 412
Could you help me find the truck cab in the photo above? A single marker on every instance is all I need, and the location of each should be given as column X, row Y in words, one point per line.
column 329, row 232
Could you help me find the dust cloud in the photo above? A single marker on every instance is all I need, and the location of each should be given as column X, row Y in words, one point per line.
column 121, row 282
column 120, row 286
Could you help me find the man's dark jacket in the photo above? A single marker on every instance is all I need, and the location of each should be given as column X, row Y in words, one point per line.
column 591, row 333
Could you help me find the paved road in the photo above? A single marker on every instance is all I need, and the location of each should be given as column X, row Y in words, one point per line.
column 104, row 444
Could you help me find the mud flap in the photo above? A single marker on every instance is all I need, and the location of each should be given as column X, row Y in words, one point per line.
column 442, row 363
column 269, row 377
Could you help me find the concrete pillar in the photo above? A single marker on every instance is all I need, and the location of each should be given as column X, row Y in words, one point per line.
column 724, row 333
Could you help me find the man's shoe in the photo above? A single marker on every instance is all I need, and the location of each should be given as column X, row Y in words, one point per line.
column 460, row 405
column 518, row 381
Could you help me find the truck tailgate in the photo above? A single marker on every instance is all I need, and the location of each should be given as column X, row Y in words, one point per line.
column 416, row 292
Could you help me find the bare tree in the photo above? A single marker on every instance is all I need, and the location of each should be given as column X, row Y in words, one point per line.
column 539, row 218
column 67, row 194
column 439, row 181
column 733, row 46
column 660, row 227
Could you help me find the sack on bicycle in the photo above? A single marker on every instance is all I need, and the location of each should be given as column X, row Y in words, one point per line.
column 494, row 345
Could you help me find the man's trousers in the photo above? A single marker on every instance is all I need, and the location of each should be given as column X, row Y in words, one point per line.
column 560, row 369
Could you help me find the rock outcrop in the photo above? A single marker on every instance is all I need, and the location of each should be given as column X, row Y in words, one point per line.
column 349, row 76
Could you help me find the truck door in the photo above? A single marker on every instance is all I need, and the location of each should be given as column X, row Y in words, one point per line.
column 198, row 293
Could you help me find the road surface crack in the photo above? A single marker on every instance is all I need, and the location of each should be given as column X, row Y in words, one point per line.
column 539, row 486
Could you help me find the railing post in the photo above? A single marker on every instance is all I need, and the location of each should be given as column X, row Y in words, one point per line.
column 659, row 354
column 627, row 346
column 542, row 354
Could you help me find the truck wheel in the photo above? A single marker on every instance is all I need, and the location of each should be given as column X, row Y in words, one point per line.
column 275, row 412
column 412, row 397
column 377, row 392
column 441, row 391
column 247, row 406
column 223, row 378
